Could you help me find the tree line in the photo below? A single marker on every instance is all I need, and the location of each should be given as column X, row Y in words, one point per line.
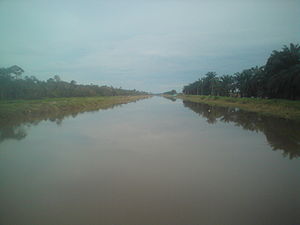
column 278, row 78
column 14, row 86
column 172, row 92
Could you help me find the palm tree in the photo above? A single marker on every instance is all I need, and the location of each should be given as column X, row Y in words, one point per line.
column 212, row 82
column 226, row 85
column 282, row 73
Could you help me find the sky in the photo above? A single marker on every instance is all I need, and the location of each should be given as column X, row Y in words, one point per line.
column 149, row 45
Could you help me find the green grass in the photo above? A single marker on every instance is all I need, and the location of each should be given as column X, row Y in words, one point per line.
column 16, row 111
column 287, row 109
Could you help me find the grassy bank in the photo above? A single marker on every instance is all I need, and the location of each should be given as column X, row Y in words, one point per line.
column 275, row 107
column 17, row 111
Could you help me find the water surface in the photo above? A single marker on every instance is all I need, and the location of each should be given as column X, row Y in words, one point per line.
column 154, row 162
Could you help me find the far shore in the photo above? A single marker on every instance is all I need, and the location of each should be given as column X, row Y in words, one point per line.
column 287, row 109
column 18, row 111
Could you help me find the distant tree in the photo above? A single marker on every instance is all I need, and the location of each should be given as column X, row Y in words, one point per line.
column 279, row 78
column 283, row 73
column 73, row 82
column 248, row 82
column 13, row 86
column 173, row 92
column 56, row 78
column 226, row 85
column 212, row 83
column 15, row 71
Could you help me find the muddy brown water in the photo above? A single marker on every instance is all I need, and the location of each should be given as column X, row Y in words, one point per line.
column 153, row 162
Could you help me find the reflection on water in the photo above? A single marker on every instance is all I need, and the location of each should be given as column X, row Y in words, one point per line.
column 170, row 98
column 154, row 162
column 16, row 127
column 281, row 134
column 14, row 132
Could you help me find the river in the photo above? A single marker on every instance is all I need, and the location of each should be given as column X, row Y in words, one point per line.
column 153, row 162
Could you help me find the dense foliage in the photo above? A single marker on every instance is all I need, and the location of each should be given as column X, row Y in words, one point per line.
column 279, row 78
column 14, row 86
column 173, row 92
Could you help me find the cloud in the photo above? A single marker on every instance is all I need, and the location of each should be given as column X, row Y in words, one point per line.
column 148, row 45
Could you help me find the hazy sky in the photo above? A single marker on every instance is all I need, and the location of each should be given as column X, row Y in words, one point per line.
column 151, row 45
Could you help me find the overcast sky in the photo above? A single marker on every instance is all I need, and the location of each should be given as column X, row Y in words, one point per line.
column 151, row 45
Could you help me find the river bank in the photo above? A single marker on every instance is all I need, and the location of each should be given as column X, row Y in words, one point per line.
column 16, row 111
column 286, row 109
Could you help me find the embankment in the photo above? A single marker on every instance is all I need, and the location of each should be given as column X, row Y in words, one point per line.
column 17, row 111
column 287, row 109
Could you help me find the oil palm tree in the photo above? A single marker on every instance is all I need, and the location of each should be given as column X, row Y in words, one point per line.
column 282, row 73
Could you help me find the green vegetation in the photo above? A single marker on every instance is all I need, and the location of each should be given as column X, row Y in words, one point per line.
column 14, row 86
column 27, row 99
column 18, row 111
column 287, row 109
column 279, row 78
column 173, row 92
